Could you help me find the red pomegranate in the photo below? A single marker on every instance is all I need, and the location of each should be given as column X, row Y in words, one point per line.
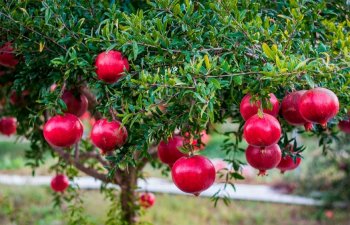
column 318, row 106
column 344, row 126
column 287, row 163
column 63, row 130
column 59, row 183
column 193, row 174
column 248, row 109
column 168, row 152
column 262, row 131
column 147, row 200
column 77, row 103
column 263, row 159
column 290, row 110
column 110, row 66
column 108, row 135
column 8, row 125
column 7, row 56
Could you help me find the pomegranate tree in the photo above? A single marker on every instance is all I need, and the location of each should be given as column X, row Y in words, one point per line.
column 158, row 72
column 263, row 159
column 193, row 174
column 319, row 105
column 248, row 108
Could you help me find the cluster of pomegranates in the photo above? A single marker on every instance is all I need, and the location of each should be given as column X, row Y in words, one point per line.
column 192, row 174
column 262, row 130
column 66, row 130
column 8, row 125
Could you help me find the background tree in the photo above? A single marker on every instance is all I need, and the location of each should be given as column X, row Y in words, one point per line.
column 196, row 58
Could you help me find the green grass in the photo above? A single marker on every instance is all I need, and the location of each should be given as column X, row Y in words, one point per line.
column 33, row 205
column 12, row 155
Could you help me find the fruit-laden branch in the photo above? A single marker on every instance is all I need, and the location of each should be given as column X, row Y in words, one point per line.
column 89, row 171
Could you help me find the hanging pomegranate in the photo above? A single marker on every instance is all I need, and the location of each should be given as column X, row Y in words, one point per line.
column 263, row 159
column 193, row 174
column 248, row 108
column 290, row 110
column 318, row 105
column 262, row 131
column 168, row 152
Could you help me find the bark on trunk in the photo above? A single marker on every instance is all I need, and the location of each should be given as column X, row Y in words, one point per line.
column 128, row 196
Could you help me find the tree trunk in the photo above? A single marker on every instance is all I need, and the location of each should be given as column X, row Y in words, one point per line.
column 128, row 195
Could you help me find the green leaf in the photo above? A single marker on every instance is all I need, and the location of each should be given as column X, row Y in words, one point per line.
column 199, row 97
column 135, row 49
column 278, row 62
column 268, row 52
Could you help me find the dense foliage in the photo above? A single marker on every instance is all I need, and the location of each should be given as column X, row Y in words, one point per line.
column 195, row 58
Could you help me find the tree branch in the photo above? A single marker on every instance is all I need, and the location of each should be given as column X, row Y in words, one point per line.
column 89, row 171
column 92, row 100
column 98, row 157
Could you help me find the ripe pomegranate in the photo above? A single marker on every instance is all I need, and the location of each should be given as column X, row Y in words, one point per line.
column 290, row 110
column 193, row 174
column 147, row 199
column 318, row 105
column 110, row 66
column 344, row 126
column 287, row 163
column 8, row 125
column 108, row 135
column 77, row 103
column 59, row 183
column 63, row 130
column 262, row 131
column 263, row 159
column 168, row 152
column 249, row 109
column 7, row 56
